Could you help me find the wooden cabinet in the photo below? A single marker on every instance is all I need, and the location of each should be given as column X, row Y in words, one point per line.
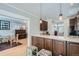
column 72, row 49
column 39, row 42
column 59, row 48
column 56, row 46
column 35, row 41
column 43, row 25
column 73, row 26
column 48, row 44
column 73, row 21
column 22, row 34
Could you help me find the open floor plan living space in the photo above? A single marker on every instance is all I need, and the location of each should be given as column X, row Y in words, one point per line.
column 39, row 29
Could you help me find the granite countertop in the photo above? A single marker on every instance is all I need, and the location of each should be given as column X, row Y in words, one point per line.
column 62, row 38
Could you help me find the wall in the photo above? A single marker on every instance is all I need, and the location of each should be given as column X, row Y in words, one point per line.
column 52, row 23
column 66, row 27
column 15, row 19
column 50, row 26
column 14, row 24
column 33, row 29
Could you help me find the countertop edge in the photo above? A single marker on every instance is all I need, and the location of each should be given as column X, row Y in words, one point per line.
column 60, row 38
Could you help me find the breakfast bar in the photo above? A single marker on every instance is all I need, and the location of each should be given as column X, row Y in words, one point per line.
column 58, row 45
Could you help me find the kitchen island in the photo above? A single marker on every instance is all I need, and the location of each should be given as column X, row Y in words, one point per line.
column 62, row 38
column 58, row 45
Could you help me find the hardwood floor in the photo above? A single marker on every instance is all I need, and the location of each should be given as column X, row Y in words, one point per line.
column 16, row 51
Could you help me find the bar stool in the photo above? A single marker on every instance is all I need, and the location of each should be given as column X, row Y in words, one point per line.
column 44, row 52
column 34, row 50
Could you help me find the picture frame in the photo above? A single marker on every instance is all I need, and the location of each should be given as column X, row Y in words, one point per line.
column 4, row 25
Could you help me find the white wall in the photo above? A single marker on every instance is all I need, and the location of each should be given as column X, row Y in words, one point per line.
column 52, row 23
column 14, row 24
column 34, row 26
column 50, row 26
column 6, row 15
column 66, row 27
column 33, row 29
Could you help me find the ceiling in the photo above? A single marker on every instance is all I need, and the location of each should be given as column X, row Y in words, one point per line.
column 49, row 10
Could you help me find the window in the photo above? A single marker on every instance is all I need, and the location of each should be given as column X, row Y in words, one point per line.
column 59, row 27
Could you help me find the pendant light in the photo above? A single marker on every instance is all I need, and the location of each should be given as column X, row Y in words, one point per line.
column 60, row 15
column 40, row 20
column 40, row 12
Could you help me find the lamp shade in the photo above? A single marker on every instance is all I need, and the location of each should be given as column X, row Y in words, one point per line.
column 41, row 20
column 60, row 16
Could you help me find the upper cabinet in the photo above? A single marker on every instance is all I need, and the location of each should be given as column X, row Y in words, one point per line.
column 43, row 25
column 73, row 26
column 73, row 22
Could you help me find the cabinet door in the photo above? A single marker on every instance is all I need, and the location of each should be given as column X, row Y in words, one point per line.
column 72, row 49
column 48, row 44
column 73, row 22
column 59, row 48
column 39, row 42
column 35, row 41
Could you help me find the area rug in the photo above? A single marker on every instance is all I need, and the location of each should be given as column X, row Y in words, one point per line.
column 4, row 46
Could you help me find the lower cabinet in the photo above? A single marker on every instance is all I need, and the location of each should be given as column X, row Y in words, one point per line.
column 59, row 48
column 48, row 44
column 39, row 42
column 72, row 49
column 55, row 46
column 35, row 41
column 42, row 43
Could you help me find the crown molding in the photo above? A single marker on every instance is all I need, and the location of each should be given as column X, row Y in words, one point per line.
column 26, row 12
